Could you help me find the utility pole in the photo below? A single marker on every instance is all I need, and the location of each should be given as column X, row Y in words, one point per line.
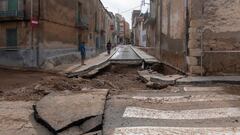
column 32, row 46
column 34, row 23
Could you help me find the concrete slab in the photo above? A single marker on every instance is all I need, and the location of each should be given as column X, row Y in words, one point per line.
column 91, row 64
column 169, row 79
column 143, row 55
column 93, row 123
column 146, row 75
column 65, row 110
column 125, row 53
column 210, row 79
column 16, row 119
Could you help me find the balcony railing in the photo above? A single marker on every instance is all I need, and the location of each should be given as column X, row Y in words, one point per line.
column 11, row 14
column 82, row 22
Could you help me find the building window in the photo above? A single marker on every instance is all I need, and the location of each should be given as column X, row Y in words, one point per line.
column 96, row 21
column 90, row 36
column 3, row 5
column 11, row 37
column 79, row 12
column 12, row 5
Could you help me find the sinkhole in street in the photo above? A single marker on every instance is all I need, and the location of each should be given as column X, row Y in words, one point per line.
column 126, row 77
column 121, row 77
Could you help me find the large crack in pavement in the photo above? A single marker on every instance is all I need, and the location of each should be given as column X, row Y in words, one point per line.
column 67, row 112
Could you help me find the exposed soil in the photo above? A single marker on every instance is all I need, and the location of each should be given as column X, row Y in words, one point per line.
column 26, row 86
column 123, row 77
column 11, row 79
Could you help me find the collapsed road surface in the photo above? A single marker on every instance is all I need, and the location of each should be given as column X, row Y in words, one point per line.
column 179, row 110
column 117, row 101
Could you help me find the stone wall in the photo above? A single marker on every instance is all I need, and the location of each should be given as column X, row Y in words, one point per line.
column 214, row 45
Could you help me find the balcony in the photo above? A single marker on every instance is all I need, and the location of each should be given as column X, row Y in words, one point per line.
column 11, row 10
column 82, row 23
column 13, row 15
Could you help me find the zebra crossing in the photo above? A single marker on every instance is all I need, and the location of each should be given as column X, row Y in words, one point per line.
column 177, row 131
column 192, row 111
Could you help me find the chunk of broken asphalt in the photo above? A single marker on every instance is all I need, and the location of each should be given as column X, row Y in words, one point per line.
column 61, row 111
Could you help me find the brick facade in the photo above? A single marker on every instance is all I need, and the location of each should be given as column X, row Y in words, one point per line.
column 63, row 24
column 199, row 37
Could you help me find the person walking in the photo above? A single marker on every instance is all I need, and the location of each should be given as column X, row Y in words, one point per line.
column 109, row 47
column 82, row 50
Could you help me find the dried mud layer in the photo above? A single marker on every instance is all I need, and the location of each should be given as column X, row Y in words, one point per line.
column 28, row 86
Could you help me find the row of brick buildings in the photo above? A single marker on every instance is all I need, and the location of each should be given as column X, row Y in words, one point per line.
column 34, row 31
column 200, row 37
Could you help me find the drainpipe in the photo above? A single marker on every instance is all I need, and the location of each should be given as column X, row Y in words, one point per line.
column 30, row 22
column 201, row 40
column 32, row 42
column 187, row 31
column 38, row 36
column 36, row 46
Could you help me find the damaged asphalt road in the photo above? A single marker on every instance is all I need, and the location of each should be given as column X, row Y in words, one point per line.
column 59, row 112
column 120, row 100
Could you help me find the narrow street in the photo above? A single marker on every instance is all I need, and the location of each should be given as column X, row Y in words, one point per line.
column 119, row 67
column 133, row 108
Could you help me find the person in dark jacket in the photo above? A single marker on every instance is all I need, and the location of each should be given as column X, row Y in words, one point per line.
column 109, row 47
column 82, row 50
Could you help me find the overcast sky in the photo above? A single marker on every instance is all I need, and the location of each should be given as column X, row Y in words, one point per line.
column 124, row 7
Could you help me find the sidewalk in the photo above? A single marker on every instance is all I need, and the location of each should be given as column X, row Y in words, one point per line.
column 90, row 64
column 143, row 55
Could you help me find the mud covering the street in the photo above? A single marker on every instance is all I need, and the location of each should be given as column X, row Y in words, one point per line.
column 32, row 86
column 123, row 77
column 47, row 85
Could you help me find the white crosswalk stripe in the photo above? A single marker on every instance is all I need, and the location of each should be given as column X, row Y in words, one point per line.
column 138, row 112
column 188, row 98
column 203, row 89
column 185, row 118
column 177, row 131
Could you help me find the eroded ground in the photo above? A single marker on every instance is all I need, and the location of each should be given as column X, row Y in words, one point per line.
column 28, row 86
column 132, row 107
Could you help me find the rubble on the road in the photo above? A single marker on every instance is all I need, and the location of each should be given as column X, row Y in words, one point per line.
column 166, row 79
column 16, row 119
column 72, row 112
column 154, row 85
column 145, row 75
column 156, row 80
